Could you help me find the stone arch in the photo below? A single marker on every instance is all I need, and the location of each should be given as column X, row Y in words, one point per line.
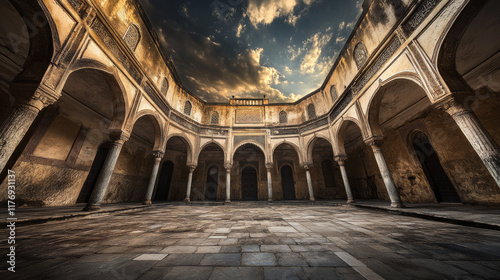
column 447, row 46
column 158, row 125
column 283, row 117
column 374, row 105
column 310, row 146
column 255, row 143
column 214, row 118
column 188, row 107
column 208, row 143
column 121, row 105
column 340, row 134
column 189, row 146
column 295, row 147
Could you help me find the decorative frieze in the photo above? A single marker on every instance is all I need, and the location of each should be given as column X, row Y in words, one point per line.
column 151, row 93
column 420, row 14
column 261, row 139
column 249, row 116
column 177, row 119
column 314, row 125
column 346, row 100
column 113, row 47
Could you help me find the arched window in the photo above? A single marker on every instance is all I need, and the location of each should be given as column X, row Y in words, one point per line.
column 283, row 117
column 164, row 87
column 333, row 93
column 214, row 118
column 187, row 108
column 311, row 111
column 132, row 37
column 360, row 55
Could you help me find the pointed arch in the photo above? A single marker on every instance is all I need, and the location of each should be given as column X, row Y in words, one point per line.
column 158, row 125
column 185, row 140
column 310, row 146
column 340, row 133
column 294, row 146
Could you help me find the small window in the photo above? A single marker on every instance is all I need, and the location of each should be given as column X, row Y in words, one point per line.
column 283, row 117
column 360, row 55
column 187, row 108
column 214, row 119
column 132, row 37
column 333, row 93
column 311, row 111
column 164, row 87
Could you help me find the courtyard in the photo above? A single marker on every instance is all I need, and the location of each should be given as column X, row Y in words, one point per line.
column 254, row 241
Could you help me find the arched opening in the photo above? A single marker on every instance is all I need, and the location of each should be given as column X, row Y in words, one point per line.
column 287, row 183
column 187, row 108
column 212, row 183
column 207, row 175
column 249, row 187
column 94, row 172
column 361, row 168
column 177, row 152
column 437, row 177
column 163, row 186
column 327, row 179
column 248, row 173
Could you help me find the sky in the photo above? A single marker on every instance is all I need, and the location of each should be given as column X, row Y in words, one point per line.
column 283, row 49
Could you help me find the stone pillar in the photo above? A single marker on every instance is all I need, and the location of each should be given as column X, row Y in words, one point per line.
column 17, row 123
column 478, row 136
column 190, row 182
column 341, row 161
column 385, row 172
column 309, row 181
column 106, row 171
column 228, row 182
column 269, row 168
column 152, row 180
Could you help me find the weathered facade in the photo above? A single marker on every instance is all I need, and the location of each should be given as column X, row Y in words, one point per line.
column 93, row 111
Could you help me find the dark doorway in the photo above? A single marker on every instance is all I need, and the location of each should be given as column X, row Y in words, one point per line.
column 91, row 180
column 249, row 184
column 212, row 184
column 167, row 169
column 327, row 168
column 439, row 181
column 287, row 183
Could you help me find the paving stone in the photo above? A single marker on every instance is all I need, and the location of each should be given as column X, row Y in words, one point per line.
column 179, row 250
column 181, row 260
column 227, row 259
column 250, row 248
column 189, row 273
column 258, row 259
column 150, row 257
column 323, row 259
column 240, row 273
column 280, row 273
column 208, row 249
column 291, row 259
column 275, row 248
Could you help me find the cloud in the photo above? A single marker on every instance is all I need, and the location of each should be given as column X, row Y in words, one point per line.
column 264, row 12
column 240, row 29
column 341, row 26
column 294, row 52
column 350, row 25
column 313, row 46
column 340, row 39
column 288, row 70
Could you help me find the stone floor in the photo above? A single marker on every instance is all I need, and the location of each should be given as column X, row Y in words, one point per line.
column 253, row 242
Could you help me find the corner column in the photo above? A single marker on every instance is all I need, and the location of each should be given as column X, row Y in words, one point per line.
column 309, row 181
column 341, row 161
column 106, row 171
column 190, row 182
column 478, row 136
column 17, row 123
column 228, row 182
column 152, row 180
column 269, row 168
column 385, row 172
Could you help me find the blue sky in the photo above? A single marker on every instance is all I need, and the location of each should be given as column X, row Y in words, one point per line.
column 248, row 48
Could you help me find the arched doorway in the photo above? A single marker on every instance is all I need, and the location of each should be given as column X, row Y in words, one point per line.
column 178, row 151
column 163, row 187
column 327, row 168
column 287, row 183
column 249, row 190
column 212, row 183
column 91, row 180
column 437, row 177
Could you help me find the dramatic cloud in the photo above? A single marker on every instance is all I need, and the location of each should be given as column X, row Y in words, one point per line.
column 313, row 47
column 263, row 12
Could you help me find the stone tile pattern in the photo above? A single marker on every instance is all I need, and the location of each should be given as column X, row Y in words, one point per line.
column 248, row 242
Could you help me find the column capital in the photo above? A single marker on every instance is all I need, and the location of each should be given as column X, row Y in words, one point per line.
column 340, row 159
column 37, row 101
column 453, row 105
column 307, row 165
column 269, row 165
column 228, row 167
column 158, row 154
column 119, row 137
column 374, row 141
column 191, row 167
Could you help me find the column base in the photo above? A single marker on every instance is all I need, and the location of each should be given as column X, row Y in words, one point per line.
column 147, row 202
column 270, row 200
column 89, row 208
column 351, row 201
column 187, row 200
column 312, row 199
column 397, row 205
column 227, row 201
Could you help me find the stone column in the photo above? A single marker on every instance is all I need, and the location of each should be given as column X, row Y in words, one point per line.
column 17, row 123
column 106, row 171
column 152, row 180
column 190, row 182
column 341, row 161
column 309, row 181
column 385, row 172
column 478, row 136
column 269, row 168
column 228, row 182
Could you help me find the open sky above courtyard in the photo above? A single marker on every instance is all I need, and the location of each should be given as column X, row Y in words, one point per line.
column 249, row 48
